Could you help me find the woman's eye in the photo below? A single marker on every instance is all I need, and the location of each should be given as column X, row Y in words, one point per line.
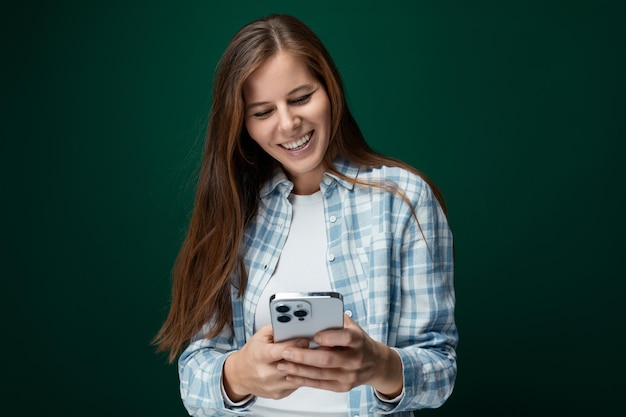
column 304, row 99
column 262, row 114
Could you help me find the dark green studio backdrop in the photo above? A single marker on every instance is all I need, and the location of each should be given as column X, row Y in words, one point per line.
column 515, row 108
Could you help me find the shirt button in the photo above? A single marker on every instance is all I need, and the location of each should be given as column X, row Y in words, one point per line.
column 331, row 257
column 332, row 219
column 348, row 313
column 327, row 181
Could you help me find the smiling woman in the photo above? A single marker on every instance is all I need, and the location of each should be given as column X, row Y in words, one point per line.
column 292, row 199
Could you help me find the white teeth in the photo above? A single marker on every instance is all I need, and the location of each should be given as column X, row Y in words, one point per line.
column 297, row 143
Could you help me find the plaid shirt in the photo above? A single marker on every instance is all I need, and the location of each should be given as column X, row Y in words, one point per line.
column 395, row 274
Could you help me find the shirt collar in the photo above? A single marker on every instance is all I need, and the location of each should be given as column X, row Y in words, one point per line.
column 279, row 181
column 344, row 167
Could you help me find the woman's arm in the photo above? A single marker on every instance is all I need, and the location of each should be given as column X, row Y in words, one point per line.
column 200, row 372
column 426, row 334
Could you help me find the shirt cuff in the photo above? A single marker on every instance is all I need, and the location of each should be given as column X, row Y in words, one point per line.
column 386, row 399
column 231, row 404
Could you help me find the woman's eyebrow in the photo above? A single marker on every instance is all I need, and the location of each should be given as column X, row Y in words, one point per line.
column 300, row 88
column 295, row 90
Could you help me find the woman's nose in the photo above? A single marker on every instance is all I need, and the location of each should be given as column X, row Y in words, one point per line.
column 289, row 121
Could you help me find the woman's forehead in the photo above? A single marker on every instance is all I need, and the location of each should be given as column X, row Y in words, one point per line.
column 281, row 75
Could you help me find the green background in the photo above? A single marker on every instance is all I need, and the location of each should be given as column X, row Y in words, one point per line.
column 515, row 108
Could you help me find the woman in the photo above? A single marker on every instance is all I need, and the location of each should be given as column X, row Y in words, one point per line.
column 291, row 199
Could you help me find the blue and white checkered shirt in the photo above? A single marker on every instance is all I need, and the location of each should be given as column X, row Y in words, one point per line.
column 395, row 274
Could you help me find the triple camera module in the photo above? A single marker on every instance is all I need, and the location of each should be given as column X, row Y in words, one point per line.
column 285, row 317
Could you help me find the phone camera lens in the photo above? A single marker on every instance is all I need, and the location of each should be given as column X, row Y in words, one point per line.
column 282, row 308
column 284, row 319
column 300, row 313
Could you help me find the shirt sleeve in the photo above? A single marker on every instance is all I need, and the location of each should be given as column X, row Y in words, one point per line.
column 424, row 333
column 200, row 369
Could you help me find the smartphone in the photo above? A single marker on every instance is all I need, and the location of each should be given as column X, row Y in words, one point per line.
column 296, row 315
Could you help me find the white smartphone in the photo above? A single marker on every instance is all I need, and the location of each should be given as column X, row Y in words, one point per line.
column 296, row 315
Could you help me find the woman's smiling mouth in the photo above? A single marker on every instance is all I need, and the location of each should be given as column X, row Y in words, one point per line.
column 298, row 144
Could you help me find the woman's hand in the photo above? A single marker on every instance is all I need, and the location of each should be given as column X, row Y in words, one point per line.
column 346, row 358
column 253, row 368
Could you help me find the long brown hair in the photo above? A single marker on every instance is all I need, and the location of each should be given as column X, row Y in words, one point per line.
column 233, row 169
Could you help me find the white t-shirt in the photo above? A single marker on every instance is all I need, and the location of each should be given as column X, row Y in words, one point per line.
column 301, row 268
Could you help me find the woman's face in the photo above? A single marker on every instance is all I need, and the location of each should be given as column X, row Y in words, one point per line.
column 287, row 112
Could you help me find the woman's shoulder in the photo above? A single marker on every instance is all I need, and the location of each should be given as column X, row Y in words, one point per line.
column 406, row 179
column 392, row 174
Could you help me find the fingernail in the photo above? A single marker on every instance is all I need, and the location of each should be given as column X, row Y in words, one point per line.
column 287, row 354
column 303, row 343
column 281, row 367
